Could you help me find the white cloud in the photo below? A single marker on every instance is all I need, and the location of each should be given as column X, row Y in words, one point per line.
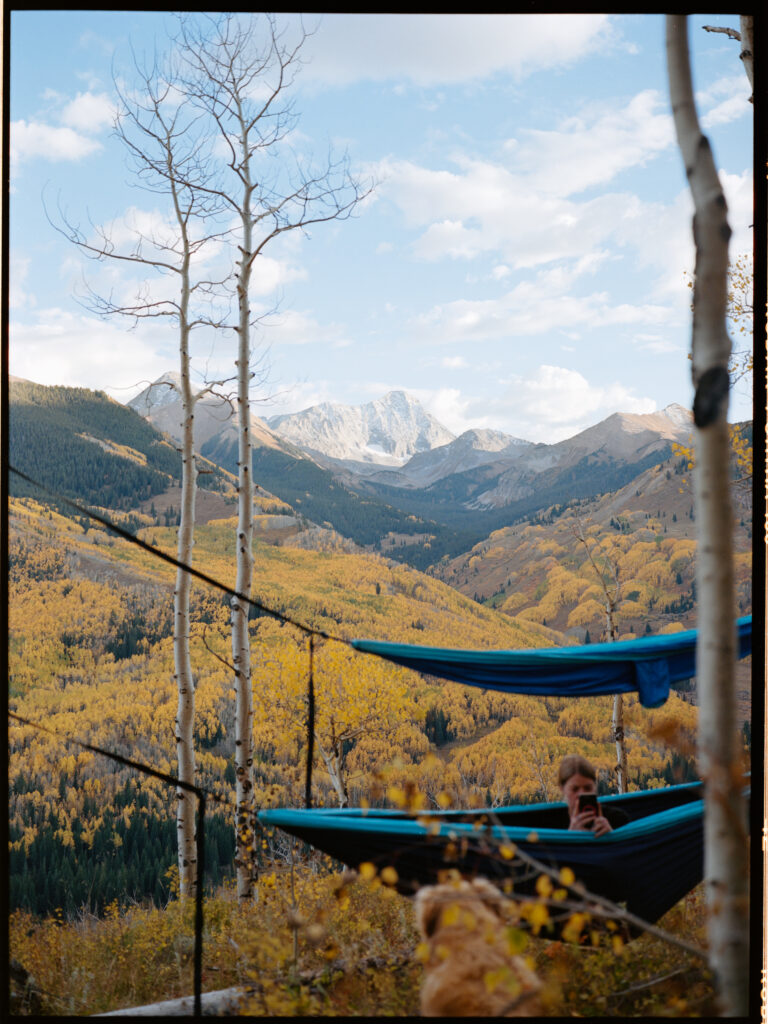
column 448, row 406
column 293, row 327
column 549, row 405
column 556, row 403
column 533, row 307
column 485, row 209
column 430, row 50
column 271, row 274
column 60, row 347
column 724, row 100
column 32, row 139
column 656, row 344
column 17, row 276
column 661, row 237
column 723, row 113
column 454, row 363
column 592, row 148
column 88, row 112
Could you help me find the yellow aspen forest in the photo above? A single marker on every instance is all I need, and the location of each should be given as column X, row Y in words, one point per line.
column 539, row 572
column 91, row 658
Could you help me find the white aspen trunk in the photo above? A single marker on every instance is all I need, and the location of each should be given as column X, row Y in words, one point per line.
column 747, row 55
column 617, row 717
column 226, row 74
column 185, row 715
column 335, row 767
column 617, row 729
column 241, row 648
column 725, row 838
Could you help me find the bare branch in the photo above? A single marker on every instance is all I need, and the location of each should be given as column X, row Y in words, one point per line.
column 730, row 32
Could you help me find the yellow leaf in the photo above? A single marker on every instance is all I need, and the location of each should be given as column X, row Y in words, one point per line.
column 389, row 876
column 493, row 979
column 367, row 871
column 544, row 886
column 567, row 876
column 396, row 795
column 517, row 940
column 507, row 851
column 450, row 915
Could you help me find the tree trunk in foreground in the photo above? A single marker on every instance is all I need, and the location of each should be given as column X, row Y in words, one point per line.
column 725, row 836
column 185, row 714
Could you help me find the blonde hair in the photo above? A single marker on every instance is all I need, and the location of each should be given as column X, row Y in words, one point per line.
column 575, row 764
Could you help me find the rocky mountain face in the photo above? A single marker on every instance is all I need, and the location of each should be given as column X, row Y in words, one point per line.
column 623, row 438
column 160, row 403
column 385, row 432
column 469, row 450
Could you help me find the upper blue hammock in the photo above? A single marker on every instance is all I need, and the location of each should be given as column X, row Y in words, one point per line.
column 647, row 666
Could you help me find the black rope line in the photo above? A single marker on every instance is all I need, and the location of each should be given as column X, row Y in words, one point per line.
column 174, row 781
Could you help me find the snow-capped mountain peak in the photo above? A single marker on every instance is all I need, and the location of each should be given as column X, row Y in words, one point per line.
column 163, row 392
column 387, row 431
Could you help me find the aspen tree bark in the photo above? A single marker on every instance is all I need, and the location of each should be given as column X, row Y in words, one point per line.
column 185, row 687
column 747, row 55
column 239, row 71
column 241, row 643
column 166, row 155
column 725, row 835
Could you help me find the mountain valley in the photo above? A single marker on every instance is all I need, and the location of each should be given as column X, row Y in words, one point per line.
column 336, row 550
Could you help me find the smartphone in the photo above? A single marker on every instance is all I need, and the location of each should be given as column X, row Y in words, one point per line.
column 588, row 800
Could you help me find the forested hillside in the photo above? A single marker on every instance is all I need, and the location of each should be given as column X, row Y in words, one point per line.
column 91, row 657
column 85, row 446
column 640, row 548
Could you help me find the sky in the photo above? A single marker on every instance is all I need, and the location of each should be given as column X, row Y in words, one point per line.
column 521, row 264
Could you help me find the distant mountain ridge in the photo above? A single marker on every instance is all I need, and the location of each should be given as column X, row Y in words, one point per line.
column 387, row 431
column 623, row 438
column 160, row 403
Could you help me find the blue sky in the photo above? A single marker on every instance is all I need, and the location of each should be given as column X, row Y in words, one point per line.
column 520, row 265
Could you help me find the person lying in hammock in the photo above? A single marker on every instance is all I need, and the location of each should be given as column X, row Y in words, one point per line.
column 578, row 784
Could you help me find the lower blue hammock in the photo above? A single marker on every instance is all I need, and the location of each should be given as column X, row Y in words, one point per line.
column 648, row 864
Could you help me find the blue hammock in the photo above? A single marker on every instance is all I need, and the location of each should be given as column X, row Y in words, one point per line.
column 647, row 666
column 648, row 864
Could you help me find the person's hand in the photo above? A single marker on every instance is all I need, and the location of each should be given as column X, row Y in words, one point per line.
column 587, row 821
column 602, row 826
column 582, row 820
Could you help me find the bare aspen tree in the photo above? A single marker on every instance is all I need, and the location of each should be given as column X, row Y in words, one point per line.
column 612, row 595
column 158, row 130
column 240, row 71
column 725, row 836
column 746, row 37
